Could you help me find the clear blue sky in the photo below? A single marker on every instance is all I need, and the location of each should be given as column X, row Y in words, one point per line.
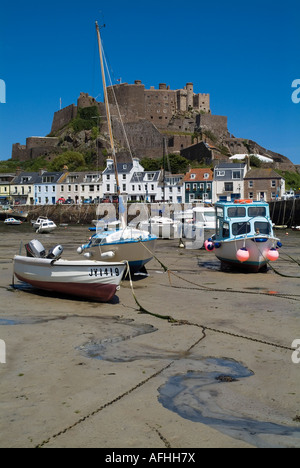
column 244, row 54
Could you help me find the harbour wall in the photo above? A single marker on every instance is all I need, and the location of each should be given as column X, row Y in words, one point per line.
column 283, row 212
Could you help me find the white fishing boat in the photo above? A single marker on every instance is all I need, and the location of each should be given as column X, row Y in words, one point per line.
column 82, row 278
column 12, row 222
column 244, row 235
column 126, row 243
column 46, row 227
column 43, row 225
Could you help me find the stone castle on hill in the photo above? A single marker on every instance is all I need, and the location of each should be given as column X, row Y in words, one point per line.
column 179, row 120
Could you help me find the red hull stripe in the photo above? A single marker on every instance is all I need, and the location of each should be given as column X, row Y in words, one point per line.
column 99, row 292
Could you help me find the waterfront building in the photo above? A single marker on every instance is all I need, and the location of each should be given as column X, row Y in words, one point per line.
column 264, row 184
column 46, row 188
column 5, row 188
column 23, row 188
column 198, row 185
column 81, row 187
column 229, row 181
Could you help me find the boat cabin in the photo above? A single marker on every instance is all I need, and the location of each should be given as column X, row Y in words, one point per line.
column 242, row 218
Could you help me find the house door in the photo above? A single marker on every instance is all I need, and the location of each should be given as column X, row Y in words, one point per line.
column 53, row 200
column 262, row 196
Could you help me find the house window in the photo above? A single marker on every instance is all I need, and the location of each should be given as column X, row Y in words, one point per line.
column 124, row 176
column 188, row 186
column 108, row 187
column 201, row 186
column 228, row 186
column 133, row 188
column 273, row 183
column 53, row 188
column 206, row 175
column 152, row 187
column 250, row 183
column 76, row 188
column 236, row 174
column 193, row 176
column 124, row 187
column 251, row 195
column 221, row 173
column 69, row 188
column 61, row 188
column 108, row 177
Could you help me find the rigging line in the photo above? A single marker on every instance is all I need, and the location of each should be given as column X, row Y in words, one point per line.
column 208, row 288
column 204, row 327
column 117, row 105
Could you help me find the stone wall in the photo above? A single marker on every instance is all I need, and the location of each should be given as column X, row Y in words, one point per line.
column 217, row 124
column 63, row 117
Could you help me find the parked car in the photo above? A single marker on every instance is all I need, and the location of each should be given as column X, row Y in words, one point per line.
column 69, row 201
column 61, row 201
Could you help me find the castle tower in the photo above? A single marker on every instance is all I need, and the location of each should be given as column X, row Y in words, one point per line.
column 190, row 96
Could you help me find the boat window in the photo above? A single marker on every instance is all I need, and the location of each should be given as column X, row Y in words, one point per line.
column 220, row 211
column 257, row 211
column 262, row 227
column 240, row 228
column 225, row 232
column 237, row 212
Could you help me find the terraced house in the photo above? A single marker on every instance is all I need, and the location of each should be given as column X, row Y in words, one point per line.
column 23, row 188
column 5, row 186
column 81, row 187
column 46, row 188
column 198, row 185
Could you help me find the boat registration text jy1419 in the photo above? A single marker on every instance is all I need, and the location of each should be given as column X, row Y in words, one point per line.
column 104, row 272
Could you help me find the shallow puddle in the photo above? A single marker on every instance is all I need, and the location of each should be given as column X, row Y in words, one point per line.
column 209, row 396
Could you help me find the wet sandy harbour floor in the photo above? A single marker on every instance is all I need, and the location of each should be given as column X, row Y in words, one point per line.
column 84, row 374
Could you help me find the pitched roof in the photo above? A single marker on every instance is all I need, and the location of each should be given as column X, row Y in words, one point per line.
column 261, row 173
column 197, row 175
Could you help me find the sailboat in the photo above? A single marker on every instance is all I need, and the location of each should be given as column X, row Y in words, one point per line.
column 126, row 243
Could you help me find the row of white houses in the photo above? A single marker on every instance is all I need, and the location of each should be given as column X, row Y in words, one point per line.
column 227, row 181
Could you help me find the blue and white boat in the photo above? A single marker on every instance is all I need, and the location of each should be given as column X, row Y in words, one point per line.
column 133, row 245
column 244, row 235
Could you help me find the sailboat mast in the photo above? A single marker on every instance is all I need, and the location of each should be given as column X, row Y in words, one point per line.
column 107, row 108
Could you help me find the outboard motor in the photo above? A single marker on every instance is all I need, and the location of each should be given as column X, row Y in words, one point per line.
column 55, row 253
column 35, row 249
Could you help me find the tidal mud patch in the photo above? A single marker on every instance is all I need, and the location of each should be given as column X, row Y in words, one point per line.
column 209, row 396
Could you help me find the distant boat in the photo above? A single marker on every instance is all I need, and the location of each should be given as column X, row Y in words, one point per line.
column 46, row 227
column 43, row 225
column 12, row 222
column 82, row 278
column 244, row 235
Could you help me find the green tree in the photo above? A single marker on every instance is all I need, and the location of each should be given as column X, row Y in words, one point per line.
column 73, row 160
